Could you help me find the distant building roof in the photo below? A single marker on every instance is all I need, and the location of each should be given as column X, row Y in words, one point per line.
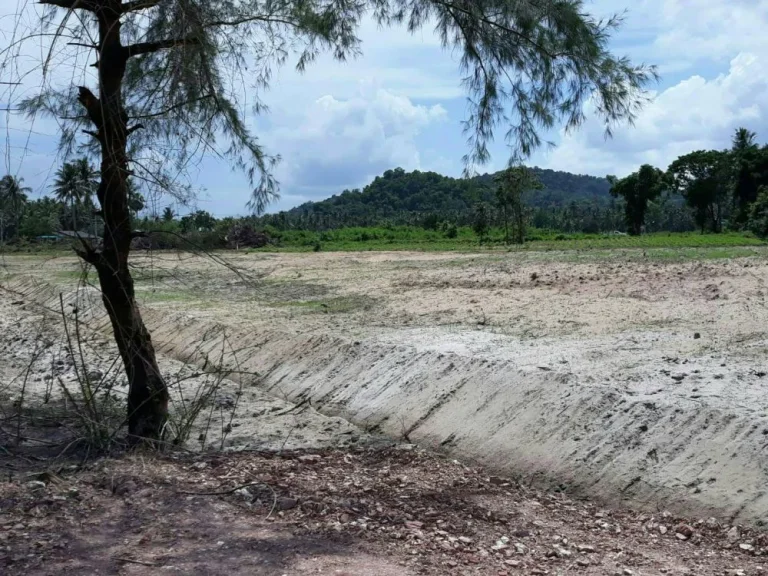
column 77, row 234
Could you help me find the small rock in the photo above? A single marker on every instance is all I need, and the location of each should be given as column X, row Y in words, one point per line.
column 200, row 465
column 513, row 563
column 520, row 548
column 696, row 335
column 465, row 540
column 284, row 503
column 747, row 547
column 628, row 572
column 733, row 535
column 583, row 562
column 501, row 544
column 684, row 530
column 125, row 488
column 35, row 486
column 245, row 494
column 310, row 458
column 95, row 376
column 663, row 529
column 586, row 549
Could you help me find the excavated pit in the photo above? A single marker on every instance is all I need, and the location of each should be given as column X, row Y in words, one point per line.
column 649, row 390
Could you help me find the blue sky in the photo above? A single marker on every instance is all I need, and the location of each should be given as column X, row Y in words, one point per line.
column 401, row 104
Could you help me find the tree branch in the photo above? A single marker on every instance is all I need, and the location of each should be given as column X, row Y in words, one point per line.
column 249, row 19
column 87, row 252
column 171, row 108
column 90, row 5
column 91, row 105
column 136, row 5
column 149, row 47
column 482, row 17
column 92, row 46
column 96, row 135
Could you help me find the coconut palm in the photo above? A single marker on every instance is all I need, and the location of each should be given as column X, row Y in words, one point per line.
column 88, row 180
column 13, row 196
column 168, row 214
column 743, row 140
column 75, row 185
column 67, row 188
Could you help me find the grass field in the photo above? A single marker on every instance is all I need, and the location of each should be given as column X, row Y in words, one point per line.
column 413, row 238
column 680, row 245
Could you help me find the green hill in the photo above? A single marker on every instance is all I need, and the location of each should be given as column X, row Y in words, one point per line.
column 402, row 196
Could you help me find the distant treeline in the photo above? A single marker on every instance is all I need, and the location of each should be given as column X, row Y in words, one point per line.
column 708, row 190
column 567, row 203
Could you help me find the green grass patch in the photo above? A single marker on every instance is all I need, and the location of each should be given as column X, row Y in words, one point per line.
column 337, row 305
column 404, row 238
column 165, row 296
column 288, row 290
column 90, row 276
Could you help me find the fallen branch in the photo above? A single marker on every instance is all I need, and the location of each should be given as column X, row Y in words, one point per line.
column 141, row 562
column 223, row 492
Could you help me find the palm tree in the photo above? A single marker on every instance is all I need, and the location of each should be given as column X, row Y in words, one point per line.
column 168, row 214
column 88, row 180
column 13, row 196
column 743, row 140
column 136, row 201
column 67, row 188
column 89, row 183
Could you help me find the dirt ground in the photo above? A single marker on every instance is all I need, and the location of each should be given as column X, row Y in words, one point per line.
column 386, row 512
column 634, row 378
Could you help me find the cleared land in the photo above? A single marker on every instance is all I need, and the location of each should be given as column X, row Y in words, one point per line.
column 632, row 375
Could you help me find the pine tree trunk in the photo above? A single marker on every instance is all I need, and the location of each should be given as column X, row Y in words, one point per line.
column 148, row 394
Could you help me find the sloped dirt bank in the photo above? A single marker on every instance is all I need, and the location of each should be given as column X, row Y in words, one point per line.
column 675, row 438
column 41, row 389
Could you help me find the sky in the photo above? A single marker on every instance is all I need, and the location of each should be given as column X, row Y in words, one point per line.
column 401, row 104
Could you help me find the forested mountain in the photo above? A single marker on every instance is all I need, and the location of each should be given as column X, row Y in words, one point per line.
column 398, row 193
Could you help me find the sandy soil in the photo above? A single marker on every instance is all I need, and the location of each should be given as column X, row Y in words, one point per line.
column 632, row 375
column 39, row 372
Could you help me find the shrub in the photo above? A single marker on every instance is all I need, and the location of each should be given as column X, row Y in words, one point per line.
column 758, row 215
column 242, row 235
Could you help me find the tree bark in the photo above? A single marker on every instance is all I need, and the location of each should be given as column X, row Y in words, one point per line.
column 148, row 394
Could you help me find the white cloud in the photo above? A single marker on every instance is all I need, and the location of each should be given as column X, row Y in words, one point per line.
column 336, row 143
column 678, row 34
column 711, row 29
column 694, row 114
